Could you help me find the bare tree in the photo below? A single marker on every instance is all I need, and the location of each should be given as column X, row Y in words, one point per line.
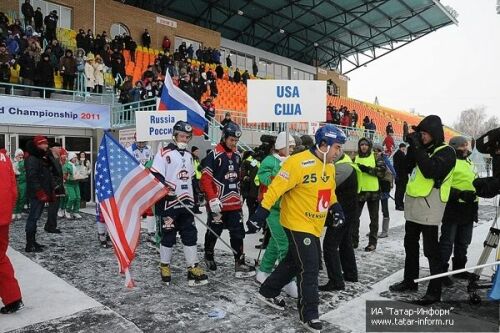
column 474, row 122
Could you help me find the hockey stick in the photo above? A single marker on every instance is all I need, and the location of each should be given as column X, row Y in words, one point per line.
column 206, row 226
column 260, row 250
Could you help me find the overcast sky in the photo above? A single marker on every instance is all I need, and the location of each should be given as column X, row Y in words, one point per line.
column 443, row 73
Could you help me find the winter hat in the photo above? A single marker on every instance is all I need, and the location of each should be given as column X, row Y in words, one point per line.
column 71, row 156
column 194, row 148
column 307, row 141
column 431, row 124
column 378, row 147
column 281, row 141
column 39, row 140
column 19, row 152
column 458, row 141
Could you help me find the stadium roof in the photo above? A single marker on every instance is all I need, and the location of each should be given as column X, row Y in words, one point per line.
column 338, row 34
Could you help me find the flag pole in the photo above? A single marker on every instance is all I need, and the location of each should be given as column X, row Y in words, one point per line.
column 432, row 277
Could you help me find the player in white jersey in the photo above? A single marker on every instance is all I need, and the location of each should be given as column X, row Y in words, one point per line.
column 173, row 166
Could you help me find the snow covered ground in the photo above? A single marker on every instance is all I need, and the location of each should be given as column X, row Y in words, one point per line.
column 74, row 286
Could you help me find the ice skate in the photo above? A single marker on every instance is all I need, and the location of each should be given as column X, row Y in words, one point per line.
column 242, row 269
column 196, row 276
column 166, row 274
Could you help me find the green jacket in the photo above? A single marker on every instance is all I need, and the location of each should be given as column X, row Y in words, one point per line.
column 19, row 167
column 269, row 168
column 68, row 173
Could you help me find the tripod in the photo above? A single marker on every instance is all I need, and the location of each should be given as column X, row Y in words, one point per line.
column 490, row 243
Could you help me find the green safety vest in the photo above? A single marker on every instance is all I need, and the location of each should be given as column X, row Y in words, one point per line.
column 368, row 182
column 420, row 187
column 347, row 159
column 463, row 176
column 197, row 172
column 254, row 163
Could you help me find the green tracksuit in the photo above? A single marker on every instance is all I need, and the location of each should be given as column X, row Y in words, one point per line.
column 72, row 189
column 21, row 187
column 278, row 244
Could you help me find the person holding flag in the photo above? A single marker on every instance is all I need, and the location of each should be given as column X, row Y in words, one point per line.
column 220, row 181
column 173, row 166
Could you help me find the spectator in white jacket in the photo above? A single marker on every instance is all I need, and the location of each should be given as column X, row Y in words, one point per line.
column 89, row 72
column 99, row 69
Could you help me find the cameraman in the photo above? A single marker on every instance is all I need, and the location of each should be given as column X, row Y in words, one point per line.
column 431, row 163
column 489, row 143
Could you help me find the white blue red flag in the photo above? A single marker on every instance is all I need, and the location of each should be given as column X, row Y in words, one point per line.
column 173, row 98
column 125, row 189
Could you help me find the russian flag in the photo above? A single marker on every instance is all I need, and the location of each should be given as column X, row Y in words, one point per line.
column 173, row 98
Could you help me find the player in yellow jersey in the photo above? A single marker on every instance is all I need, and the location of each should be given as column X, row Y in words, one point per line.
column 306, row 186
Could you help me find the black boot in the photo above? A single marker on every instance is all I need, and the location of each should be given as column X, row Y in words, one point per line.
column 331, row 286
column 31, row 245
column 12, row 307
column 404, row 286
column 428, row 299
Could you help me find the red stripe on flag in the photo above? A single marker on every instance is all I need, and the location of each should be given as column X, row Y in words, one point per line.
column 119, row 228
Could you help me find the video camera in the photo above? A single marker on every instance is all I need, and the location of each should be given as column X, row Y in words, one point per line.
column 489, row 143
column 265, row 148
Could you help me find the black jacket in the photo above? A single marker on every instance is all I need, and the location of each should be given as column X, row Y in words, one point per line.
column 45, row 74
column 38, row 171
column 38, row 19
column 442, row 162
column 57, row 174
column 27, row 10
column 27, row 64
column 399, row 161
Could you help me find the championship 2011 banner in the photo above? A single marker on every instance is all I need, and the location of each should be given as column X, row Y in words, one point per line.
column 44, row 112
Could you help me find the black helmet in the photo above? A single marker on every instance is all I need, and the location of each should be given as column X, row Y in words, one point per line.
column 231, row 129
column 182, row 126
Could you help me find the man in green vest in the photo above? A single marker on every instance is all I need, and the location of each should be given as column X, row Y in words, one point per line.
column 432, row 163
column 372, row 168
column 460, row 212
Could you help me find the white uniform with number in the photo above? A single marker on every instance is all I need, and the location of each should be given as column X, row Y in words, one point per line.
column 177, row 169
column 141, row 155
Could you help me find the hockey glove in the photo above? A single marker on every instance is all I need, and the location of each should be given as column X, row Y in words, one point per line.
column 338, row 215
column 258, row 219
column 42, row 196
column 215, row 205
column 467, row 196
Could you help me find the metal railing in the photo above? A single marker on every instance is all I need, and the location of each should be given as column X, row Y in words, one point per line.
column 13, row 89
column 123, row 115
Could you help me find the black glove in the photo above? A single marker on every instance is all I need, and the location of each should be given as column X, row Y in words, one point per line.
column 258, row 219
column 171, row 196
column 414, row 139
column 338, row 215
column 468, row 196
column 487, row 187
column 364, row 168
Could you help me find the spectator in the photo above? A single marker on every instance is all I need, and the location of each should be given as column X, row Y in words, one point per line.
column 125, row 90
column 389, row 144
column 50, row 25
column 389, row 129
column 237, row 76
column 68, row 70
column 137, row 92
column 118, row 71
column 385, row 183
column 219, row 71
column 16, row 28
column 28, row 13
column 190, row 51
column 399, row 160
column 80, row 61
column 146, row 39
column 132, row 48
column 90, row 42
column 57, row 175
column 38, row 20
column 354, row 119
column 166, row 44
column 35, row 51
column 5, row 59
column 20, row 173
column 81, row 41
column 405, row 130
column 229, row 63
column 227, row 119
column 366, row 125
column 84, row 167
column 13, row 46
column 99, row 45
column 255, row 69
column 187, row 86
column 98, row 74
column 45, row 76
column 245, row 77
column 209, row 108
column 27, row 73
column 71, row 187
column 336, row 117
column 10, row 294
column 149, row 91
column 39, row 186
column 373, row 129
column 89, row 72
column 346, row 120
column 57, row 53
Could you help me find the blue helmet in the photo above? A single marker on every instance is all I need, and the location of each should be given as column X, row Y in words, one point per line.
column 329, row 134
column 231, row 129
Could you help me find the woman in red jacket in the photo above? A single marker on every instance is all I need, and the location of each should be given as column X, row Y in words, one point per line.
column 9, row 288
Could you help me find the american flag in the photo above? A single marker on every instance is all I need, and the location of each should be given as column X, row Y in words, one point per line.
column 124, row 189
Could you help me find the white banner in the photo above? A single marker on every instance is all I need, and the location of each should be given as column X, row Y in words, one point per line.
column 126, row 137
column 286, row 101
column 45, row 112
column 312, row 128
column 157, row 125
